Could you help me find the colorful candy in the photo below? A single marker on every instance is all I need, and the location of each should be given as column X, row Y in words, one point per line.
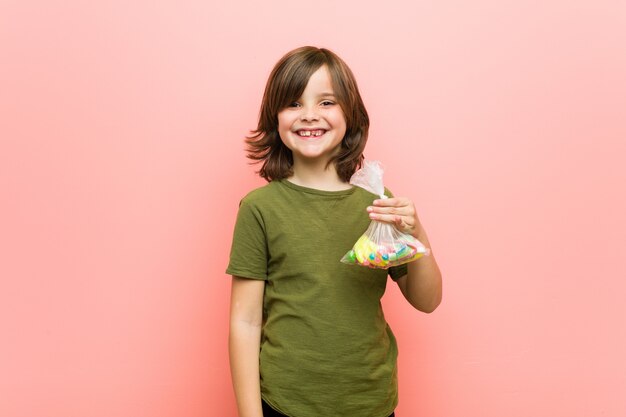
column 382, row 245
column 402, row 249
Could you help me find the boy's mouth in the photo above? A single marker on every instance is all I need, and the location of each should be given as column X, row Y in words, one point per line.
column 310, row 133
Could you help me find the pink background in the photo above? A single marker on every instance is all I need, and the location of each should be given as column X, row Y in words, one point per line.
column 122, row 165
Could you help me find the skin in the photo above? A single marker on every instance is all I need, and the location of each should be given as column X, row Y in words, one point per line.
column 246, row 316
column 316, row 108
column 422, row 286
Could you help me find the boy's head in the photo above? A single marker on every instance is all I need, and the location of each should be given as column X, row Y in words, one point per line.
column 285, row 85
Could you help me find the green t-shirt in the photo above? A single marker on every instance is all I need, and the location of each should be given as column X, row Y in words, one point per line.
column 326, row 349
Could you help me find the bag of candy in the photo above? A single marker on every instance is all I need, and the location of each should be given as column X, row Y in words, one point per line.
column 382, row 245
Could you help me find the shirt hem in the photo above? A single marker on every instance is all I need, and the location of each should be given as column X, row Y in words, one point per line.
column 278, row 410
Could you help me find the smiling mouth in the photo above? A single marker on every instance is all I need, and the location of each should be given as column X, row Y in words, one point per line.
column 310, row 133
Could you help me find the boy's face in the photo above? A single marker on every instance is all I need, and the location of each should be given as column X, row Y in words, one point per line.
column 314, row 125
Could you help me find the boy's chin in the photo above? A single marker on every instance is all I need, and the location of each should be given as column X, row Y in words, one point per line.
column 315, row 157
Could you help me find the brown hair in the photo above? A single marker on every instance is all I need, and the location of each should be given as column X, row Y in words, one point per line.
column 286, row 83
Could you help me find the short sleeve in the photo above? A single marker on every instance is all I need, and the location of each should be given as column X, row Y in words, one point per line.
column 248, row 253
column 398, row 271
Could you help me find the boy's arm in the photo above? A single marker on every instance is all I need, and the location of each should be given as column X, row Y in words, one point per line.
column 422, row 286
column 246, row 317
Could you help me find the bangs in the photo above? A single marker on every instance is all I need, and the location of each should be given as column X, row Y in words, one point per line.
column 291, row 80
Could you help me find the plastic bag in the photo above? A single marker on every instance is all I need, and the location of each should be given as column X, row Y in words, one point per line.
column 382, row 245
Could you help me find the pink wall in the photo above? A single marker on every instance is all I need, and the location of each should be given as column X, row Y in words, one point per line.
column 122, row 164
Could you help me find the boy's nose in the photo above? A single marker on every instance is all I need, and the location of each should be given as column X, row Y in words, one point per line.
column 308, row 114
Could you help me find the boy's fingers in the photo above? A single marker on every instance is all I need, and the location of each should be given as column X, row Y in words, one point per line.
column 399, row 221
column 387, row 218
column 391, row 218
column 402, row 210
column 391, row 202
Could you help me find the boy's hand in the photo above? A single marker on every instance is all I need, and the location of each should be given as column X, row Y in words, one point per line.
column 398, row 210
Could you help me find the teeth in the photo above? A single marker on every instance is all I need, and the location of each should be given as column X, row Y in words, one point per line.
column 311, row 132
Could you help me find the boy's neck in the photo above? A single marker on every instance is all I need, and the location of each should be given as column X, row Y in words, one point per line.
column 317, row 177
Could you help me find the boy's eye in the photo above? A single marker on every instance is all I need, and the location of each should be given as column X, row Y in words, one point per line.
column 324, row 103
